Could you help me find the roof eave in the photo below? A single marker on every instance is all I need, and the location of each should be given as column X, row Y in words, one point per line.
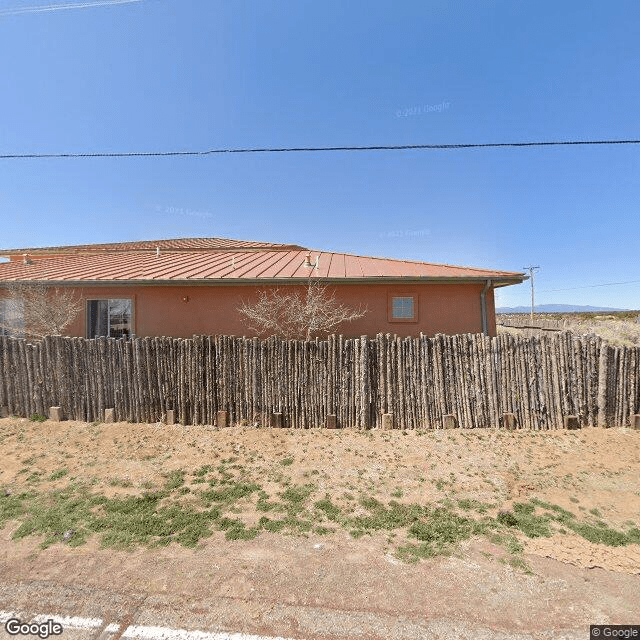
column 497, row 281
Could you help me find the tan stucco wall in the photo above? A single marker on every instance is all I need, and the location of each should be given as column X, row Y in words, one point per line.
column 162, row 311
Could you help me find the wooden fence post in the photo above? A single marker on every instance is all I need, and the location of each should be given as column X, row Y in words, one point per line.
column 603, row 368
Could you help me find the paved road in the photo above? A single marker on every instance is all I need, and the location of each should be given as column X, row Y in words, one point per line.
column 92, row 614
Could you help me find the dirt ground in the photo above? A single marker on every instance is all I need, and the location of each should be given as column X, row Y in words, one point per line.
column 561, row 582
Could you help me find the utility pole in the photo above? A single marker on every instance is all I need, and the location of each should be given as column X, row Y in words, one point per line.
column 531, row 270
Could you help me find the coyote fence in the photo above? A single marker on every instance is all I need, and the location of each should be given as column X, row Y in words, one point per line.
column 346, row 382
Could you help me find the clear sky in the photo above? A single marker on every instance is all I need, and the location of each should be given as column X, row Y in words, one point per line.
column 195, row 74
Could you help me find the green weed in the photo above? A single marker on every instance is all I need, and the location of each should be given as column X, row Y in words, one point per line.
column 174, row 479
column 330, row 510
column 229, row 494
column 60, row 473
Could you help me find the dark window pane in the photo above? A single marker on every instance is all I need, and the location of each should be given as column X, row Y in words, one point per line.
column 98, row 318
column 119, row 318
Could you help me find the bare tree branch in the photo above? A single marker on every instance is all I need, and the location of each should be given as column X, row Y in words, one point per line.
column 298, row 314
column 34, row 310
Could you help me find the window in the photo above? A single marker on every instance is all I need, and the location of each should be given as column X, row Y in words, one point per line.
column 110, row 318
column 11, row 317
column 402, row 308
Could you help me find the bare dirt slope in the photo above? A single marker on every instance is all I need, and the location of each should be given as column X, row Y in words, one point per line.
column 525, row 532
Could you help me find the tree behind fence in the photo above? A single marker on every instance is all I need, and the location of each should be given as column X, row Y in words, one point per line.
column 418, row 380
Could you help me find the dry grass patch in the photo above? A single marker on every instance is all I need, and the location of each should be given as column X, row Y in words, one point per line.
column 617, row 328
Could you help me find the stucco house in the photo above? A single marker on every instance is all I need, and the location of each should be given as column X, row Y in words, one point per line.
column 191, row 286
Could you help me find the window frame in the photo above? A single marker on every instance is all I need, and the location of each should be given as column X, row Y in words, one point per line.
column 403, row 294
column 131, row 299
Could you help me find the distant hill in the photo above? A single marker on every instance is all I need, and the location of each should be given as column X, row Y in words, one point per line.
column 556, row 308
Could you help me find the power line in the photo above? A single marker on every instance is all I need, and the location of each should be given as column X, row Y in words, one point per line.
column 399, row 147
column 591, row 286
column 64, row 7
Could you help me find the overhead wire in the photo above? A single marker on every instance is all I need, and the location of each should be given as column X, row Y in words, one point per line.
column 398, row 147
column 591, row 286
column 63, row 7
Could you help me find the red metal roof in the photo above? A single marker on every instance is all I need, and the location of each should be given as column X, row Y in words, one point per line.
column 275, row 263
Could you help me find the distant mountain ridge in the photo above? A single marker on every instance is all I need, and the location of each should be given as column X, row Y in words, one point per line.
column 556, row 308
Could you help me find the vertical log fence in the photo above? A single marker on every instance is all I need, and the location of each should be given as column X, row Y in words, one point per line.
column 347, row 382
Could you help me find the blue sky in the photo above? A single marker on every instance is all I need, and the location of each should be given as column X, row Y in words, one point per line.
column 195, row 74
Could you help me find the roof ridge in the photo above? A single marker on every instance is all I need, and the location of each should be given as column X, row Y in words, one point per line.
column 144, row 245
